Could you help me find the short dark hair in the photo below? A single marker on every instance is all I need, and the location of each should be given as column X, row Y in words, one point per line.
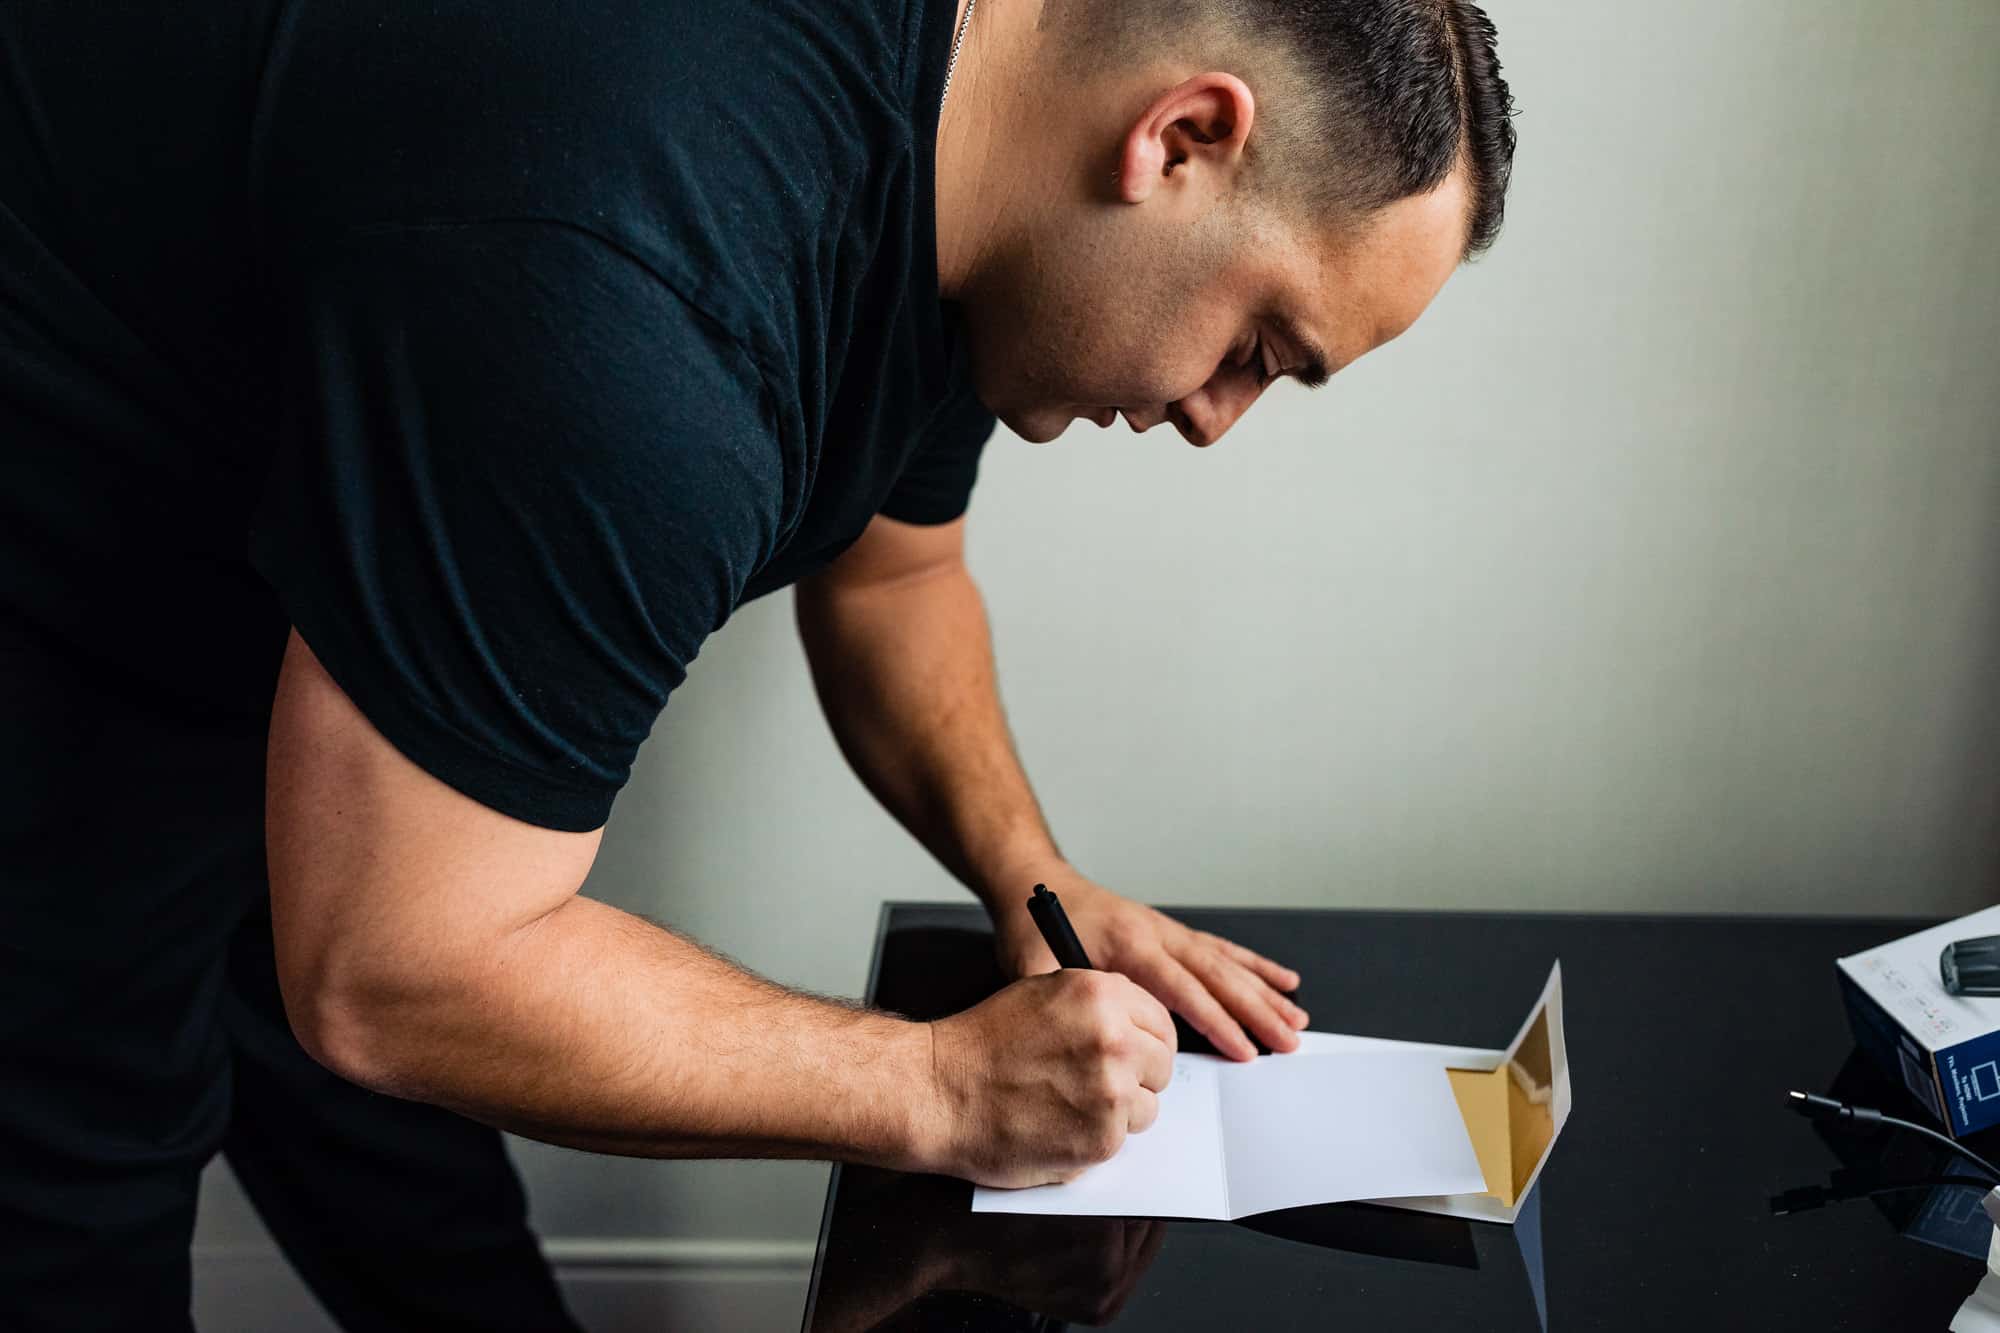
column 1362, row 102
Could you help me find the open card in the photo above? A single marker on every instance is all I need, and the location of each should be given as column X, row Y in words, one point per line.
column 1405, row 1124
column 1513, row 1103
column 1233, row 1139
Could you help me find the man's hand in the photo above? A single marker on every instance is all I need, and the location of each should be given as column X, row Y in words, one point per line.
column 1047, row 1077
column 1219, row 986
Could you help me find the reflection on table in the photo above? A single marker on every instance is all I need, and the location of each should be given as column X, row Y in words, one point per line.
column 906, row 1252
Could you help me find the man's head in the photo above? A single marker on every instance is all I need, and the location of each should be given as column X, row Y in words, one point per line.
column 1203, row 190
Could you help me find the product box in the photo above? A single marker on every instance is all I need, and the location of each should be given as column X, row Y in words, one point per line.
column 1944, row 1048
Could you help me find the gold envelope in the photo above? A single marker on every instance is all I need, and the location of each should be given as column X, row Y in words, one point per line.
column 1509, row 1111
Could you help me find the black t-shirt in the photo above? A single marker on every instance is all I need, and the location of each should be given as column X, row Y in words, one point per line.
column 503, row 348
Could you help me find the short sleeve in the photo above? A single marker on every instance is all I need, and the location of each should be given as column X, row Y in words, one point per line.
column 935, row 486
column 518, row 481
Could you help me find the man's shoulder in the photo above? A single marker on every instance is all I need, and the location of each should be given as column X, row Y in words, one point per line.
column 715, row 144
column 501, row 107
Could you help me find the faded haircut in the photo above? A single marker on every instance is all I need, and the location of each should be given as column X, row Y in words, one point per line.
column 1359, row 102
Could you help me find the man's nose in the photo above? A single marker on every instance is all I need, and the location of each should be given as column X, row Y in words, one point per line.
column 1204, row 417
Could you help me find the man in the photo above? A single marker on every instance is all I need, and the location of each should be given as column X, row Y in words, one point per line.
column 396, row 395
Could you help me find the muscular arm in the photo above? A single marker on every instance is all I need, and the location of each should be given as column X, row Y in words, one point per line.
column 901, row 656
column 904, row 665
column 435, row 949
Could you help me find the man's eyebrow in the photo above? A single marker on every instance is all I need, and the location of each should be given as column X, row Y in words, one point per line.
column 1317, row 369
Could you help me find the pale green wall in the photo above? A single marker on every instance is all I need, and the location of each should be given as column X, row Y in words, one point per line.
column 1658, row 567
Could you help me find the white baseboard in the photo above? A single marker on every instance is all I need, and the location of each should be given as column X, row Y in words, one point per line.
column 676, row 1253
column 613, row 1284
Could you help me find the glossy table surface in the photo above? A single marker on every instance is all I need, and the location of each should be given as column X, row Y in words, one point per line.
column 1655, row 1210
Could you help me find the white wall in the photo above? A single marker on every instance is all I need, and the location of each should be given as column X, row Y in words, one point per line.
column 1658, row 567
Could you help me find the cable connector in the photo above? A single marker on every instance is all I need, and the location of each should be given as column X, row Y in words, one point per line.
column 1815, row 1107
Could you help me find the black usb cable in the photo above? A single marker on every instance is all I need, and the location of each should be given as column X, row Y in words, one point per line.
column 1815, row 1107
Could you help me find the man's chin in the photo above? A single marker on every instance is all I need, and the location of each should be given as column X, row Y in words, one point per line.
column 1036, row 427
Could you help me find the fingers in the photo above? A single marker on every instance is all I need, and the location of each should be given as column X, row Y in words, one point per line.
column 1247, row 998
column 1272, row 978
column 1279, row 1001
column 1191, row 998
column 1149, row 1014
column 1156, row 1064
column 1275, row 975
column 1155, row 1036
column 1145, row 1109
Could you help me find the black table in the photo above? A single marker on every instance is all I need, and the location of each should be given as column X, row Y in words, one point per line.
column 1655, row 1209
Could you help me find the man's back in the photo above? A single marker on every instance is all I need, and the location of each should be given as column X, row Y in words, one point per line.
column 134, row 403
column 172, row 182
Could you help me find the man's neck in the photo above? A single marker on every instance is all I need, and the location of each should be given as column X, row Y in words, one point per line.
column 973, row 170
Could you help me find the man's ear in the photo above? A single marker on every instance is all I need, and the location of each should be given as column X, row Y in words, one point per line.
column 1203, row 119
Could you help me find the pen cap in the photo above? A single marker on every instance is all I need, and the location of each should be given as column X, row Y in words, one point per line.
column 1971, row 967
column 1056, row 930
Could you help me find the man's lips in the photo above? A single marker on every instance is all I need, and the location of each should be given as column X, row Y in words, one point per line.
column 1106, row 416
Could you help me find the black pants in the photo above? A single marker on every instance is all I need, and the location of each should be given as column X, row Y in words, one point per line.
column 141, row 1031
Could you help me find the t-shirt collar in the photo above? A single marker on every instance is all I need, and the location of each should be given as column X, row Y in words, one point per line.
column 940, row 323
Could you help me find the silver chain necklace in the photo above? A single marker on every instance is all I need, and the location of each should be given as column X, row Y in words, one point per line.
column 957, row 42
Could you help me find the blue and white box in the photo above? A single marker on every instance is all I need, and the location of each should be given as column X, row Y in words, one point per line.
column 1944, row 1048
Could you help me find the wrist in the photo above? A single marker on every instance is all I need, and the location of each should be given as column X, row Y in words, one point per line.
column 1004, row 882
column 925, row 1134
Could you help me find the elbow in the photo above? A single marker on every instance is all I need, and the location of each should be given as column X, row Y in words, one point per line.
column 344, row 1028
column 350, row 1001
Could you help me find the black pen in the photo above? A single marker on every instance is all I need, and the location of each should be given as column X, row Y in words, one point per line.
column 1056, row 929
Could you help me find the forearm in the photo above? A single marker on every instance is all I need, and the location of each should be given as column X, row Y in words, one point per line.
column 593, row 1028
column 905, row 673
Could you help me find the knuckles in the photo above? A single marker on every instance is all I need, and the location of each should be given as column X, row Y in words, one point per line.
column 1093, row 985
column 1103, row 1143
column 1106, row 1038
